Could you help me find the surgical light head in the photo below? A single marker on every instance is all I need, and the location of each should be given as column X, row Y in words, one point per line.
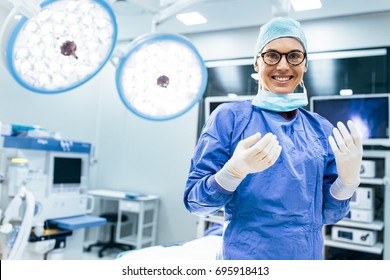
column 62, row 46
column 276, row 28
column 161, row 77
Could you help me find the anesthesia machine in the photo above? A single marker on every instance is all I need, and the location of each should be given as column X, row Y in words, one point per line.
column 43, row 188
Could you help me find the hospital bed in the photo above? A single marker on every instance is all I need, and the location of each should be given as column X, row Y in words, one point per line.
column 202, row 248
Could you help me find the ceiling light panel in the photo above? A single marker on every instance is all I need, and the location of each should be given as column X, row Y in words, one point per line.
column 192, row 18
column 304, row 5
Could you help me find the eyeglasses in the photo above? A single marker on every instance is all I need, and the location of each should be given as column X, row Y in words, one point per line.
column 294, row 58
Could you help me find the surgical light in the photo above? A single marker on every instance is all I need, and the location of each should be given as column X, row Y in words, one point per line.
column 62, row 46
column 161, row 77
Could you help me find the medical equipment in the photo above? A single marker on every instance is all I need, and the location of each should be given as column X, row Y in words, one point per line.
column 362, row 205
column 161, row 77
column 368, row 168
column 62, row 171
column 363, row 198
column 360, row 215
column 55, row 172
column 353, row 235
column 52, row 46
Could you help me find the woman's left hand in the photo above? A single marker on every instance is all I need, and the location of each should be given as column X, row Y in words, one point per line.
column 348, row 152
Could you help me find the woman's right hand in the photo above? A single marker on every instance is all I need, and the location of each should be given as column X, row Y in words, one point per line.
column 253, row 154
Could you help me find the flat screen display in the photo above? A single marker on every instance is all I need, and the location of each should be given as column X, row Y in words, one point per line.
column 231, row 77
column 67, row 170
column 370, row 112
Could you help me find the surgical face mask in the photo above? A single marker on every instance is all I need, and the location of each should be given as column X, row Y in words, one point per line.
column 280, row 102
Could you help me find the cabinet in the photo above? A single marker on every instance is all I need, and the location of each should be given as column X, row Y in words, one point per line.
column 137, row 216
column 341, row 247
column 140, row 228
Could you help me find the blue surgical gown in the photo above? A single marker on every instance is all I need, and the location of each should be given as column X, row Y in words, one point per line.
column 278, row 213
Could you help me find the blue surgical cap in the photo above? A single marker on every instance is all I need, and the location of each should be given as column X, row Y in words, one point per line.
column 279, row 27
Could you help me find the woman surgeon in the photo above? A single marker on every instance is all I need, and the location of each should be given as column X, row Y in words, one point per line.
column 279, row 171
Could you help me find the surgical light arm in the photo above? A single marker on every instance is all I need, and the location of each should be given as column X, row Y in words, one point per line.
column 27, row 8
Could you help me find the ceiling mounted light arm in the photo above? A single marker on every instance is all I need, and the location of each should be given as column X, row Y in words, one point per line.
column 116, row 57
column 171, row 10
column 145, row 4
column 27, row 8
column 17, row 8
column 281, row 8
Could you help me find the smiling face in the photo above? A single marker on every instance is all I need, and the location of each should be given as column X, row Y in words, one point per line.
column 282, row 77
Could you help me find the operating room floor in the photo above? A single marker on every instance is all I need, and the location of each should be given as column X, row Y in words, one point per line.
column 108, row 254
column 93, row 255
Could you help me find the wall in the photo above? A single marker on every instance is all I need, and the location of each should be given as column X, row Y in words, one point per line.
column 139, row 155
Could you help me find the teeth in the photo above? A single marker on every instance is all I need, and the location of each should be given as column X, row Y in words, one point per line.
column 282, row 79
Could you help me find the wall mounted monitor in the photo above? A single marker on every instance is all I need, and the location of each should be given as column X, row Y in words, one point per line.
column 235, row 76
column 362, row 71
column 370, row 112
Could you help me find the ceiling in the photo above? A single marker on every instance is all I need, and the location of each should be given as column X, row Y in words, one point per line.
column 135, row 17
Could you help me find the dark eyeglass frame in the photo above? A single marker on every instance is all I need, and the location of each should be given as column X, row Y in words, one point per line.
column 283, row 54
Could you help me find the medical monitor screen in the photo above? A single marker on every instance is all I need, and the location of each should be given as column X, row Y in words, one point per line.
column 67, row 170
column 233, row 77
column 369, row 112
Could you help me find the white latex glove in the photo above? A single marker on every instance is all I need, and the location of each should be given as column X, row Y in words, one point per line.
column 251, row 155
column 348, row 154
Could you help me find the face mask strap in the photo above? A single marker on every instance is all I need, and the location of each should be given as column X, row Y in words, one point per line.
column 302, row 85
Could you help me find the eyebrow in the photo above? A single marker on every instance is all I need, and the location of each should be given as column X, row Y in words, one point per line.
column 273, row 50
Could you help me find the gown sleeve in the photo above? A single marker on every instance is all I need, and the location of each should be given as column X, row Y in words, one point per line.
column 203, row 195
column 333, row 210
